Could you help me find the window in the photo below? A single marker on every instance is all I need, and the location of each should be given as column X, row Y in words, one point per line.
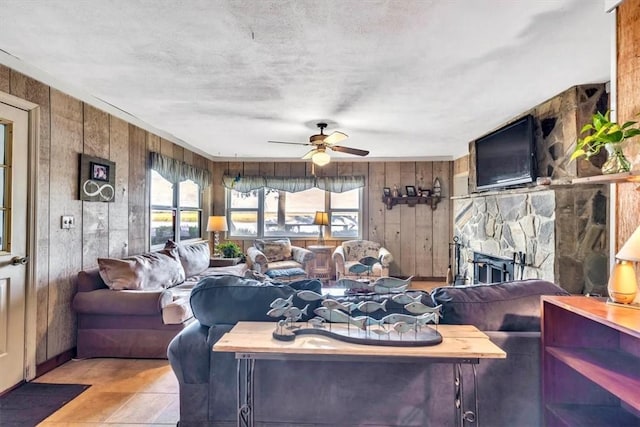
column 176, row 210
column 275, row 213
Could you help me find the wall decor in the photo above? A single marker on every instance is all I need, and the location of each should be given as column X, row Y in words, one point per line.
column 411, row 191
column 97, row 179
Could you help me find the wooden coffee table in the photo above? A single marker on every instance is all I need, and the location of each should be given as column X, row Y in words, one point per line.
column 251, row 341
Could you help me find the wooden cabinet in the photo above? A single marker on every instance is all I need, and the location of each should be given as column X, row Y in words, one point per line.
column 591, row 362
column 321, row 266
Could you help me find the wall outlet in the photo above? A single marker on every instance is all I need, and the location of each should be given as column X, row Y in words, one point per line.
column 67, row 222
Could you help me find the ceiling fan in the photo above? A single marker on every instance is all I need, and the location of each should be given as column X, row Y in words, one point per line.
column 320, row 142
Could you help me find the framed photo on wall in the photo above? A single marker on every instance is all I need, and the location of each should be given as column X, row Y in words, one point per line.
column 411, row 191
column 386, row 192
column 97, row 179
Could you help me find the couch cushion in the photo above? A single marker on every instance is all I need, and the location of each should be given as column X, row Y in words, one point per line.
column 193, row 257
column 274, row 250
column 508, row 306
column 355, row 250
column 231, row 299
column 152, row 270
column 177, row 312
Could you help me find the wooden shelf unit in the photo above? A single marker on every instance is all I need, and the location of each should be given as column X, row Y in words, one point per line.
column 391, row 201
column 591, row 362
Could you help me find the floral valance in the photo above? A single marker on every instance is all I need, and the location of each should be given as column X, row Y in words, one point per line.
column 176, row 171
column 335, row 184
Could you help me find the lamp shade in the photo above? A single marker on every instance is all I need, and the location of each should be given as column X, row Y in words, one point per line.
column 630, row 251
column 217, row 223
column 321, row 218
column 320, row 158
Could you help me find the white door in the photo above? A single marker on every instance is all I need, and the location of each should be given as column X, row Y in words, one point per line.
column 14, row 125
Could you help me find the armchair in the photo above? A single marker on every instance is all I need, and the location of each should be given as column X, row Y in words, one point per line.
column 279, row 260
column 351, row 256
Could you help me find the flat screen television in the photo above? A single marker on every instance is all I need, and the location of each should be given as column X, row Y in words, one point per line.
column 506, row 157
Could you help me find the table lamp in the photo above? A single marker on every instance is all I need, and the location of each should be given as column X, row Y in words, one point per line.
column 622, row 284
column 321, row 219
column 216, row 224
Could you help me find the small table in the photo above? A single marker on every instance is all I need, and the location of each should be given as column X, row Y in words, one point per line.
column 321, row 267
column 222, row 262
column 251, row 341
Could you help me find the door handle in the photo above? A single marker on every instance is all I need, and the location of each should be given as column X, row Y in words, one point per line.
column 16, row 260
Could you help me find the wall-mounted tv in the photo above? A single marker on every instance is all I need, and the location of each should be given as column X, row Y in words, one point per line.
column 506, row 157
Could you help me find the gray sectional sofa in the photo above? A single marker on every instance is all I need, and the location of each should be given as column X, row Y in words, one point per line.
column 303, row 393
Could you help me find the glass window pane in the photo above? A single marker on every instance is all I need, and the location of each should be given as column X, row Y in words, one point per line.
column 345, row 224
column 189, row 225
column 244, row 223
column 3, row 171
column 244, row 200
column 161, row 190
column 347, row 200
column 299, row 210
column 189, row 194
column 162, row 226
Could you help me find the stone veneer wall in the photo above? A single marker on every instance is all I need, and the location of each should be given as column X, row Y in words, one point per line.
column 561, row 229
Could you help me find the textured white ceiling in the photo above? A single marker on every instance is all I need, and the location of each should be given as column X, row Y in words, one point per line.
column 410, row 78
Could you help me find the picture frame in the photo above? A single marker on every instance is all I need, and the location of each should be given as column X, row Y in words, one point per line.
column 99, row 171
column 386, row 192
column 411, row 191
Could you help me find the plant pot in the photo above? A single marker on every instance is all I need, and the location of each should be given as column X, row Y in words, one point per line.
column 616, row 161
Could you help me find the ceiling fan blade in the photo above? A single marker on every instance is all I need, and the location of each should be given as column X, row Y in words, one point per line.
column 309, row 154
column 290, row 143
column 349, row 150
column 336, row 136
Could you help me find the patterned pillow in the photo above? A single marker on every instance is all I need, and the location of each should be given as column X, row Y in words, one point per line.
column 275, row 250
column 153, row 270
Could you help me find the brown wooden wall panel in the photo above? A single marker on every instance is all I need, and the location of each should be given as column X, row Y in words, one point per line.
column 95, row 215
column 406, row 257
column 442, row 222
column 375, row 218
column 5, row 79
column 424, row 224
column 66, row 257
column 362, row 168
column 119, row 209
column 138, row 234
column 461, row 165
column 153, row 143
column 392, row 237
column 628, row 99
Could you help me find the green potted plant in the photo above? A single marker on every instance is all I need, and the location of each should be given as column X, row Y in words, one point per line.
column 608, row 134
column 230, row 250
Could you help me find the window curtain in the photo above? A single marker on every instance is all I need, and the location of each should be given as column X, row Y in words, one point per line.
column 176, row 171
column 335, row 184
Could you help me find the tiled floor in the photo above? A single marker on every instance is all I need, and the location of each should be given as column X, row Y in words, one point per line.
column 123, row 392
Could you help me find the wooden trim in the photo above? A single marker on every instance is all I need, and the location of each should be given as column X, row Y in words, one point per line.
column 54, row 362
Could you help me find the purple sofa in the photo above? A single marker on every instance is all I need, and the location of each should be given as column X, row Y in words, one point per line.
column 302, row 393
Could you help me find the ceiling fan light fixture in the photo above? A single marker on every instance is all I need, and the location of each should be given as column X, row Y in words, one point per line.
column 320, row 158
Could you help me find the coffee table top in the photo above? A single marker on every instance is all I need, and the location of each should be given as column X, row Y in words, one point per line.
column 458, row 342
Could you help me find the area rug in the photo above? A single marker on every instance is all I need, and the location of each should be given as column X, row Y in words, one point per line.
column 31, row 403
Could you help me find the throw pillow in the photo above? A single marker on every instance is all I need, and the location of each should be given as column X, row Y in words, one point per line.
column 275, row 250
column 153, row 270
column 194, row 257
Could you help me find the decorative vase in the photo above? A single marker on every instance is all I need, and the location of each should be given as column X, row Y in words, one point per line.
column 616, row 161
column 622, row 286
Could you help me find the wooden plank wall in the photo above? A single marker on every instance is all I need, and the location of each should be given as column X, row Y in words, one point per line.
column 628, row 107
column 69, row 127
column 418, row 237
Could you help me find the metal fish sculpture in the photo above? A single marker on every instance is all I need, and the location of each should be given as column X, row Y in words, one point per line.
column 310, row 296
column 276, row 312
column 359, row 269
column 402, row 328
column 383, row 290
column 294, row 313
column 317, row 322
column 371, row 306
column 420, row 308
column 406, row 298
column 380, row 332
column 281, row 302
column 423, row 319
column 349, row 284
column 332, row 304
column 370, row 321
column 391, row 282
column 395, row 318
column 338, row 316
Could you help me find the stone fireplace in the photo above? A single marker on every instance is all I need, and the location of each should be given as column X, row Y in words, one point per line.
column 560, row 231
